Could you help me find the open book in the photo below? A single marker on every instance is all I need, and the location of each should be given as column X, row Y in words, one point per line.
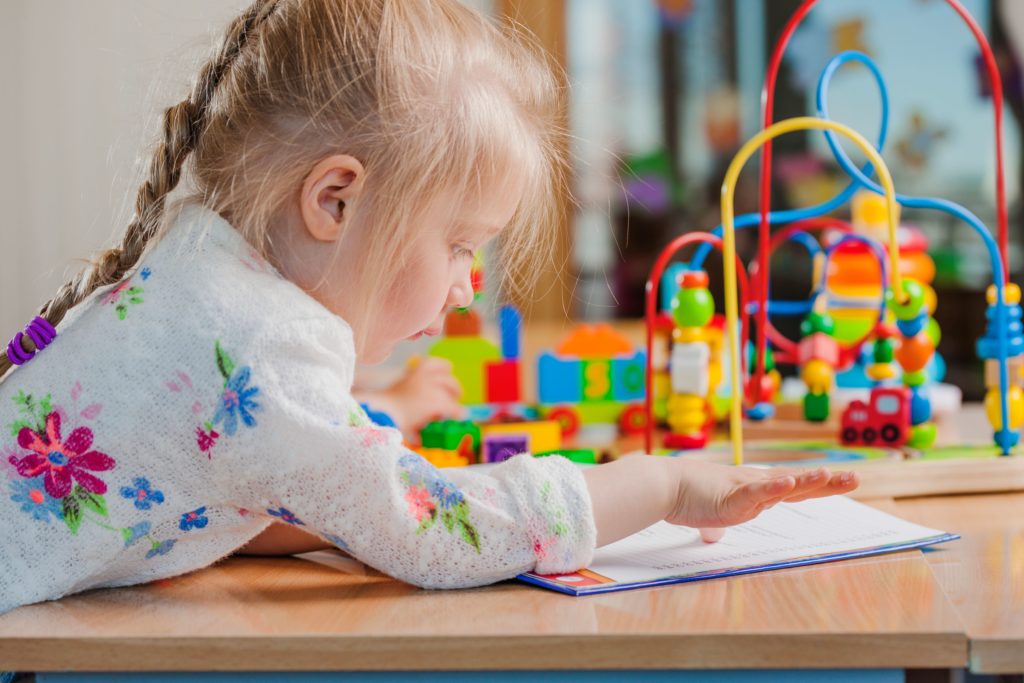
column 787, row 535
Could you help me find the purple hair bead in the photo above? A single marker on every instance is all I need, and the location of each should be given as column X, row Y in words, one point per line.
column 40, row 331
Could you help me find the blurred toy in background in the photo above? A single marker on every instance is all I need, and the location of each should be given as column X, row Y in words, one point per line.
column 595, row 375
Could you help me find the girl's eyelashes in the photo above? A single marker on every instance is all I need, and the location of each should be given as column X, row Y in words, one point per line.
column 462, row 251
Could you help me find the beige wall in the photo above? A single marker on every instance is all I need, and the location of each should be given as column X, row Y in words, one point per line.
column 82, row 85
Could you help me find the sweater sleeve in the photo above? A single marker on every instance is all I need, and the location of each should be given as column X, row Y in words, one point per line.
column 317, row 462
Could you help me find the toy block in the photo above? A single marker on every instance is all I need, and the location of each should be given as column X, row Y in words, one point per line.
column 816, row 407
column 585, row 456
column 689, row 369
column 510, row 322
column 597, row 380
column 501, row 383
column 467, row 355
column 448, row 434
column 543, row 435
column 462, row 322
column 818, row 346
column 501, row 447
column 559, row 380
column 440, row 457
column 629, row 377
column 595, row 341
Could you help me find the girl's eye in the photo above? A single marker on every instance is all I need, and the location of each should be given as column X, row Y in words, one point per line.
column 461, row 251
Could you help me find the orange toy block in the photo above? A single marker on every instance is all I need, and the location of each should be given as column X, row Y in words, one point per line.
column 595, row 341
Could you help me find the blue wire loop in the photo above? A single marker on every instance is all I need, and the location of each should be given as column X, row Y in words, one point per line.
column 860, row 178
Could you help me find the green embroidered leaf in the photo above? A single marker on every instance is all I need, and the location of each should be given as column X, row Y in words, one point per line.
column 122, row 311
column 448, row 518
column 18, row 425
column 43, row 411
column 135, row 291
column 22, row 399
column 72, row 513
column 208, row 425
column 469, row 534
column 126, row 533
column 91, row 501
column 224, row 362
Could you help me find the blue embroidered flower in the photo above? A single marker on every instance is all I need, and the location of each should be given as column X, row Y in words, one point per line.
column 446, row 493
column 237, row 401
column 145, row 273
column 286, row 516
column 131, row 534
column 32, row 495
column 194, row 520
column 141, row 494
column 421, row 473
column 160, row 548
column 336, row 540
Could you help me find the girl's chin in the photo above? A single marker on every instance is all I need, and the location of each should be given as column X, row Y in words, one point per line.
column 376, row 354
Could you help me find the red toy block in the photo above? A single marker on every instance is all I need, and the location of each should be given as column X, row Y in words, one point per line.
column 819, row 346
column 501, row 382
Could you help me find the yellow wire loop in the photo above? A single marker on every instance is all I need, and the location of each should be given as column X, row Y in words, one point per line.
column 729, row 243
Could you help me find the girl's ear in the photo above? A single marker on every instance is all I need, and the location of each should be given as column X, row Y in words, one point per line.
column 328, row 195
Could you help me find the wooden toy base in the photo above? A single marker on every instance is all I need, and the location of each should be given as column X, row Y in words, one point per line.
column 889, row 473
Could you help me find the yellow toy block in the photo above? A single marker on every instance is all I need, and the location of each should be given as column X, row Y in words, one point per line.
column 543, row 435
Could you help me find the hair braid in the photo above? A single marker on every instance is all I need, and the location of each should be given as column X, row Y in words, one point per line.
column 182, row 125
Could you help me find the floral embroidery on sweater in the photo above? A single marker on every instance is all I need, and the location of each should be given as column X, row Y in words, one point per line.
column 286, row 515
column 432, row 496
column 236, row 403
column 238, row 399
column 545, row 529
column 59, row 480
column 125, row 294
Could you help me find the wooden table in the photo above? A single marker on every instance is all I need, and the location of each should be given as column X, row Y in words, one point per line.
column 958, row 605
column 290, row 614
column 982, row 574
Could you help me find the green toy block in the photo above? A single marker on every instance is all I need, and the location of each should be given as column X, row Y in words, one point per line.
column 816, row 407
column 448, row 434
column 468, row 356
column 584, row 456
column 598, row 412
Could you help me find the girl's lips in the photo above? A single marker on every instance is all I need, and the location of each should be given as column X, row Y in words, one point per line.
column 430, row 332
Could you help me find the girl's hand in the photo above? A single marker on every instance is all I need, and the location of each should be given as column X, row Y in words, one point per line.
column 427, row 391
column 711, row 497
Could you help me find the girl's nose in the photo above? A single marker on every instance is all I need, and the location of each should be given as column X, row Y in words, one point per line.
column 461, row 294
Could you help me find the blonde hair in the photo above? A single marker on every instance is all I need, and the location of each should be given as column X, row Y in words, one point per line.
column 429, row 95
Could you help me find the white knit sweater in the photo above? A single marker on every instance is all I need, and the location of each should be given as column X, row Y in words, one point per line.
column 180, row 412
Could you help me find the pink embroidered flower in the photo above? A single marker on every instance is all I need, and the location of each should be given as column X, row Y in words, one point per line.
column 61, row 460
column 372, row 436
column 113, row 295
column 206, row 440
column 420, row 505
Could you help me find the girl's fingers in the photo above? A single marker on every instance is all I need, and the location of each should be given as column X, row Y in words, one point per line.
column 711, row 535
column 452, row 387
column 838, row 483
column 749, row 496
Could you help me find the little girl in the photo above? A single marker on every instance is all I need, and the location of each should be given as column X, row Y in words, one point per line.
column 346, row 158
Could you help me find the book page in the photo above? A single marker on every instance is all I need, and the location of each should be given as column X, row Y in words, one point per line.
column 786, row 532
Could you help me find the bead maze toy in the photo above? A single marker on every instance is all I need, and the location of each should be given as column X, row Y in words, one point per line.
column 870, row 308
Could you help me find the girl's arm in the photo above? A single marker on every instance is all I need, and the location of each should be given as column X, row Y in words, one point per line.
column 635, row 492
